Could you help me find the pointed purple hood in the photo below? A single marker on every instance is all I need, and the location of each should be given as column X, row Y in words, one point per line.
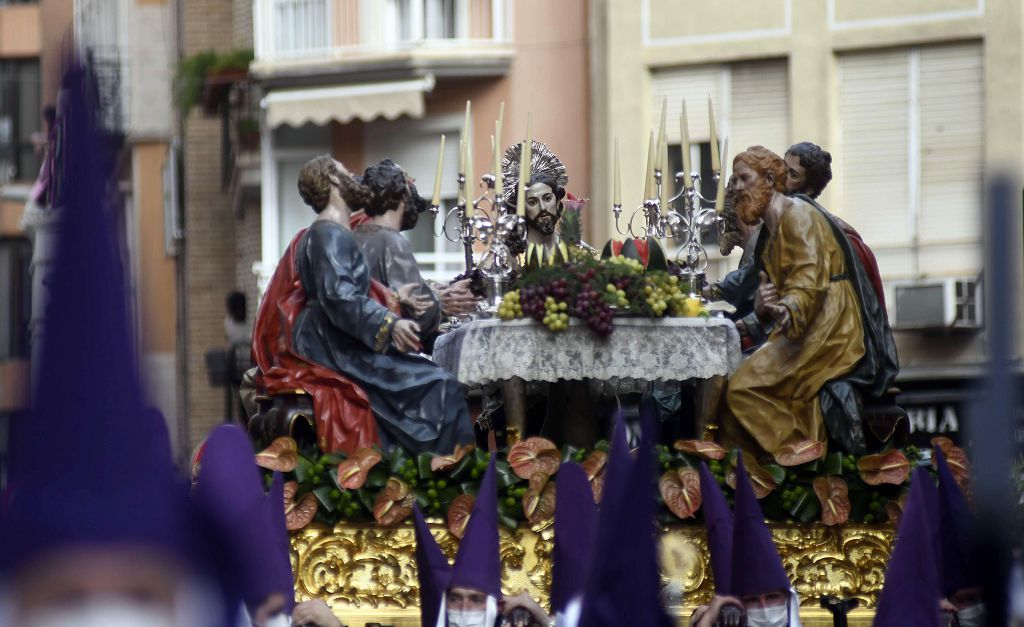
column 756, row 565
column 575, row 528
column 91, row 463
column 229, row 491
column 625, row 580
column 285, row 579
column 718, row 520
column 432, row 570
column 956, row 533
column 477, row 563
column 911, row 592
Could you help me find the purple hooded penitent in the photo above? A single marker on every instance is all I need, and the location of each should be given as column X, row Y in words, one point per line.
column 756, row 565
column 229, row 491
column 718, row 521
column 477, row 563
column 956, row 533
column 624, row 581
column 282, row 543
column 911, row 593
column 91, row 463
column 432, row 570
column 575, row 527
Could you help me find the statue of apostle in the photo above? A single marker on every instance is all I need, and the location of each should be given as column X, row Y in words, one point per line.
column 395, row 206
column 334, row 324
column 825, row 315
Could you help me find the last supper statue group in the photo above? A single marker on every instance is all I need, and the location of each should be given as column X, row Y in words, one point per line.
column 347, row 318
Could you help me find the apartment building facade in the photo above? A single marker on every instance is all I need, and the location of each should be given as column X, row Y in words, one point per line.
column 364, row 80
column 917, row 101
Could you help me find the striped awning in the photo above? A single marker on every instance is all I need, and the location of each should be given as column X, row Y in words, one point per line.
column 366, row 102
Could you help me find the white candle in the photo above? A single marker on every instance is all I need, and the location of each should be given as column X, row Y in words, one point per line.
column 436, row 200
column 716, row 162
column 720, row 196
column 684, row 135
column 649, row 171
column 617, row 193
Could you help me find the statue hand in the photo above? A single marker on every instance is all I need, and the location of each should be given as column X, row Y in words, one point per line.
column 405, row 336
column 765, row 296
column 780, row 314
column 457, row 299
column 413, row 304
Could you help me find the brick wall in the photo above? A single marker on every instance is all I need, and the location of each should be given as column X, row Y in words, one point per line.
column 247, row 252
column 209, row 251
column 242, row 36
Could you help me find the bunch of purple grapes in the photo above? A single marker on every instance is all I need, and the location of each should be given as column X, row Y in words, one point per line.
column 532, row 300
column 591, row 307
column 477, row 285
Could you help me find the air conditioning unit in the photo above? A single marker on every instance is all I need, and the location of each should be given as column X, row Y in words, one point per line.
column 938, row 305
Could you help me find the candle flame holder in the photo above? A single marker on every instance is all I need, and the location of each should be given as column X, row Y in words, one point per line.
column 492, row 225
column 687, row 224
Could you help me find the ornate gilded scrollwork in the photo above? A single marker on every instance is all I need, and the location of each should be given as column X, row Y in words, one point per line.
column 374, row 569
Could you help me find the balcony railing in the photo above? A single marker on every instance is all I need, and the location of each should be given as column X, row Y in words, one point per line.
column 307, row 29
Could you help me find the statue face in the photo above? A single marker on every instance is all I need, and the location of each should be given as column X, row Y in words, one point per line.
column 754, row 193
column 796, row 175
column 541, row 208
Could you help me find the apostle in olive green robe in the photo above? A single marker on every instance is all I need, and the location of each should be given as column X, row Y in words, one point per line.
column 772, row 402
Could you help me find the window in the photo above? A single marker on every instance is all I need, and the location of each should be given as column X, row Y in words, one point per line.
column 751, row 104
column 912, row 129
column 415, row 20
column 20, row 118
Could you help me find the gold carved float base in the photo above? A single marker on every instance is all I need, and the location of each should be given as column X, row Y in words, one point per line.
column 367, row 574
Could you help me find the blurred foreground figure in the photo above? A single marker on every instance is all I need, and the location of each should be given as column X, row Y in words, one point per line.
column 751, row 585
column 95, row 527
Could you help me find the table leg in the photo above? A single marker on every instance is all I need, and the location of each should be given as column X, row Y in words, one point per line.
column 513, row 392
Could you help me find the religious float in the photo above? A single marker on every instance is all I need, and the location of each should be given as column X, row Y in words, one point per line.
column 629, row 317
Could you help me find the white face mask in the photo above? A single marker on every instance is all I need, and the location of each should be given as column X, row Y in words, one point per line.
column 973, row 616
column 467, row 618
column 102, row 613
column 278, row 620
column 768, row 616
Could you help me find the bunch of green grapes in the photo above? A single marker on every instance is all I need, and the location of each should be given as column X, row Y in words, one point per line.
column 628, row 262
column 432, row 492
column 717, row 470
column 556, row 316
column 876, row 509
column 791, row 496
column 662, row 293
column 616, row 295
column 849, row 464
column 408, row 473
column 510, row 306
column 514, row 495
column 346, row 503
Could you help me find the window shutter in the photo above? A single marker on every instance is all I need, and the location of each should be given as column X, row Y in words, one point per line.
column 952, row 141
column 873, row 111
column 693, row 84
column 760, row 106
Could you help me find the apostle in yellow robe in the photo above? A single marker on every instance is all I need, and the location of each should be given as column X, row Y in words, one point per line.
column 771, row 405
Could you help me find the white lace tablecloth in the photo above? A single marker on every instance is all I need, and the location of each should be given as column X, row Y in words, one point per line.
column 640, row 349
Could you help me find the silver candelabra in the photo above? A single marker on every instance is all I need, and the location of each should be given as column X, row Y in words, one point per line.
column 493, row 226
column 687, row 224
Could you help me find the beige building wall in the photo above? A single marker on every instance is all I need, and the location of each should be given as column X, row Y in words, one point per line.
column 20, row 31
column 632, row 40
column 56, row 18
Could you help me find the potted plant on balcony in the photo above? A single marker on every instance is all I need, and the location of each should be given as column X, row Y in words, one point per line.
column 206, row 77
column 248, row 130
column 229, row 68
